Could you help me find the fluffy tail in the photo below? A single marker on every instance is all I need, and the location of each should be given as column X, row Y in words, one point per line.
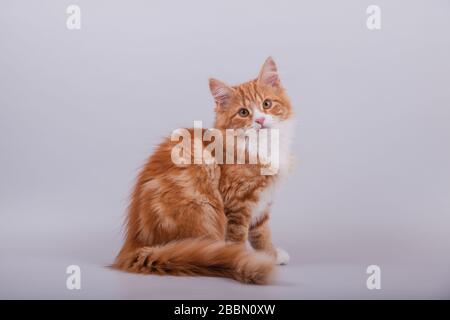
column 200, row 257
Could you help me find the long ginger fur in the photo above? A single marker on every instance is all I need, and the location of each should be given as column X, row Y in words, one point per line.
column 195, row 219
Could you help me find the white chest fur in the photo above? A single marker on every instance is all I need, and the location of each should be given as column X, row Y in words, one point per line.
column 267, row 195
column 286, row 136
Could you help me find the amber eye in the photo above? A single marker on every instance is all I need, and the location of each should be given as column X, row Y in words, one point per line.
column 267, row 103
column 243, row 112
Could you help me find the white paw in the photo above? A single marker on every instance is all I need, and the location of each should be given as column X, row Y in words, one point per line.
column 282, row 256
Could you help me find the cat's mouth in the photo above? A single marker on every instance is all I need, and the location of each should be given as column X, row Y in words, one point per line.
column 258, row 126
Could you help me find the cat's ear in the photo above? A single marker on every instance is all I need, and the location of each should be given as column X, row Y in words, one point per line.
column 268, row 75
column 221, row 92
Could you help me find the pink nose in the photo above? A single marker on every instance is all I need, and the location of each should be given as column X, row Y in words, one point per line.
column 260, row 120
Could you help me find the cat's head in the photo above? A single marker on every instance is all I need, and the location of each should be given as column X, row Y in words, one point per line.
column 259, row 103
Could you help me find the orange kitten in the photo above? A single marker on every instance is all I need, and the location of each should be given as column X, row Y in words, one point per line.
column 195, row 219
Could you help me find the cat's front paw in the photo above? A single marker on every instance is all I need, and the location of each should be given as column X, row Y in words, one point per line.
column 282, row 256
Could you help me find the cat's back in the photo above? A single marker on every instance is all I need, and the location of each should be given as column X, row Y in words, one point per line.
column 164, row 173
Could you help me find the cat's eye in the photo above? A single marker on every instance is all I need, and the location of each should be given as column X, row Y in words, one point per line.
column 267, row 103
column 243, row 112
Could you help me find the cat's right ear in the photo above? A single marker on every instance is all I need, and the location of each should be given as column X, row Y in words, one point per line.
column 221, row 92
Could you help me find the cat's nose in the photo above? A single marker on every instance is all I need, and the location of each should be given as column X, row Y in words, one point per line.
column 260, row 120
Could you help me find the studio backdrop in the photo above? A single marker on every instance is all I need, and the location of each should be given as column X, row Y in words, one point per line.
column 88, row 89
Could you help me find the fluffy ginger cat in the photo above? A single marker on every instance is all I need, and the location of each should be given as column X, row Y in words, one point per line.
column 195, row 219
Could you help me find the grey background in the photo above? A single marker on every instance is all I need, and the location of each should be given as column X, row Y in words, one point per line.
column 81, row 110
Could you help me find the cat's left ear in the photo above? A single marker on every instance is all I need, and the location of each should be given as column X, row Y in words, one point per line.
column 268, row 75
column 221, row 92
